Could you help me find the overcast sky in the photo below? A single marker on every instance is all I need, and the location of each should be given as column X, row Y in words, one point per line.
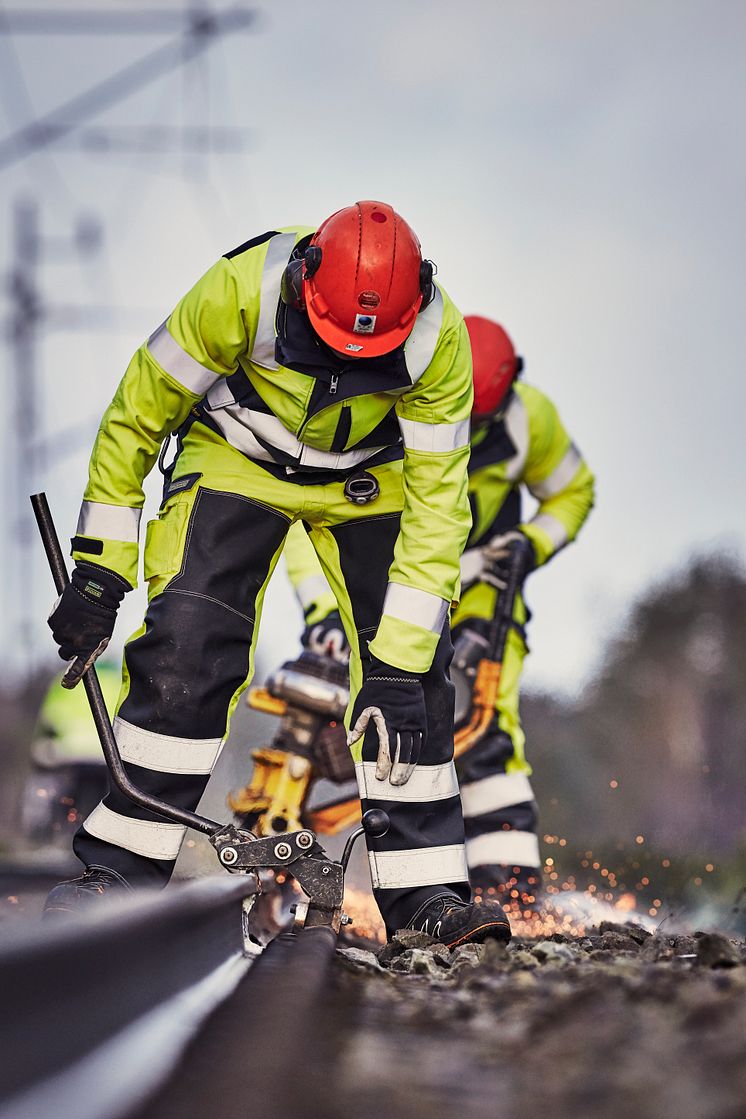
column 577, row 171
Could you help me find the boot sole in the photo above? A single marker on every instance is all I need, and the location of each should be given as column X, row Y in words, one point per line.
column 474, row 934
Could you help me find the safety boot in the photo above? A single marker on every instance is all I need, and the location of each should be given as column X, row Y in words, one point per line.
column 80, row 893
column 453, row 922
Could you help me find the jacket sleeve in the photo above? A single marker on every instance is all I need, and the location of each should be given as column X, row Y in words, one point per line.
column 197, row 345
column 312, row 590
column 557, row 476
column 434, row 416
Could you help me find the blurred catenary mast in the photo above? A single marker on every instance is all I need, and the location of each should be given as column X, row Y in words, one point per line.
column 199, row 28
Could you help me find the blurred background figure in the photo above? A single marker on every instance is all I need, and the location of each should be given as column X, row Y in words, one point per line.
column 68, row 775
column 518, row 444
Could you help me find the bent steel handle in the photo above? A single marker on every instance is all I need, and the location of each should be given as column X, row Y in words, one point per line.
column 92, row 686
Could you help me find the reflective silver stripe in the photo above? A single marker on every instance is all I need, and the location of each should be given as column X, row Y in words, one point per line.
column 504, row 848
column 180, row 365
column 311, row 589
column 144, row 837
column 516, row 424
column 435, row 437
column 422, row 866
column 472, row 562
column 164, row 753
column 560, row 477
column 278, row 254
column 554, row 529
column 420, row 347
column 220, row 395
column 241, row 426
column 419, row 608
column 109, row 522
column 499, row 791
column 428, row 782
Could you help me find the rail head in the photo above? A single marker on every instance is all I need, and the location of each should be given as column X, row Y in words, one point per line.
column 69, row 986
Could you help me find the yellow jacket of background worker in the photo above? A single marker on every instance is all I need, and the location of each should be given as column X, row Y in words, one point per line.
column 215, row 362
column 527, row 446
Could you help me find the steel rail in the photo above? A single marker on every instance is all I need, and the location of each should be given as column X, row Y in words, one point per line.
column 265, row 1051
column 69, row 986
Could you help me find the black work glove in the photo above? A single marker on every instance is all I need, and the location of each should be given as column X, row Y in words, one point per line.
column 83, row 617
column 503, row 554
column 327, row 638
column 395, row 701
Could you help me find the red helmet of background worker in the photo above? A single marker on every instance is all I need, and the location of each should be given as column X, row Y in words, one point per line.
column 496, row 364
column 364, row 280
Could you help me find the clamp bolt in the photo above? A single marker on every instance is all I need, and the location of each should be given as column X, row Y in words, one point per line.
column 283, row 850
column 304, row 839
column 229, row 855
column 345, row 919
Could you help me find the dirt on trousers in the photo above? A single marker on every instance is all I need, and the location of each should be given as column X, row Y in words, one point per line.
column 617, row 1025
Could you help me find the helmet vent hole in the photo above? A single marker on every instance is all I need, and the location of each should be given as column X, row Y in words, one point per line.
column 378, row 216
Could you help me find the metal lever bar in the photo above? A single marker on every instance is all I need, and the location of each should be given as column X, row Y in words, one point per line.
column 92, row 686
column 375, row 823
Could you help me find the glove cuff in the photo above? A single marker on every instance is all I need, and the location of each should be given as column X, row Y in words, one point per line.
column 379, row 670
column 99, row 585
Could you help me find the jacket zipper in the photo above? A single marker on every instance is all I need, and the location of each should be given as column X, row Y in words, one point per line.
column 332, row 392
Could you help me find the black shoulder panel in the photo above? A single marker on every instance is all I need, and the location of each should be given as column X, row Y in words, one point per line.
column 252, row 244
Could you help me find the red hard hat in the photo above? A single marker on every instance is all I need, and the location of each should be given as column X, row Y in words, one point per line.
column 365, row 294
column 495, row 363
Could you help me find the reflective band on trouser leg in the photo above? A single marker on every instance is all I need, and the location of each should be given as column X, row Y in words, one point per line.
column 165, row 752
column 143, row 837
column 499, row 791
column 427, row 783
column 504, row 848
column 109, row 522
column 179, row 364
column 420, row 866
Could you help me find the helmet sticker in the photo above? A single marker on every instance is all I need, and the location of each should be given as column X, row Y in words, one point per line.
column 353, row 347
column 364, row 324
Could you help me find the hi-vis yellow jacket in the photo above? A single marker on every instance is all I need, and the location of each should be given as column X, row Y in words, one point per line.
column 529, row 446
column 233, row 357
